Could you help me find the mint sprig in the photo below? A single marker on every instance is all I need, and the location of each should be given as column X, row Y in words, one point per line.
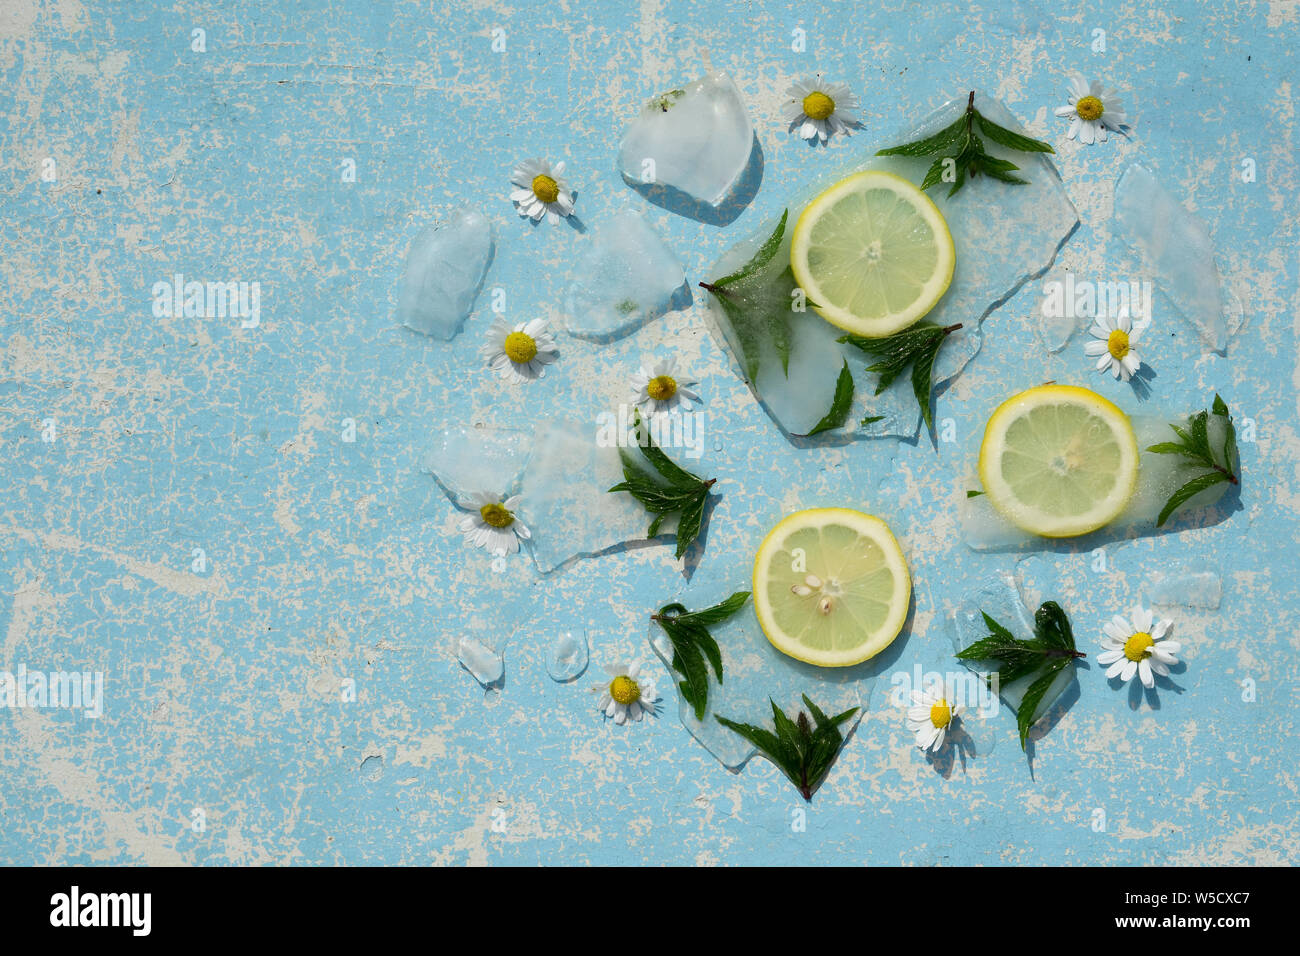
column 1194, row 445
column 680, row 492
column 964, row 152
column 918, row 347
column 693, row 646
column 804, row 750
column 1049, row 652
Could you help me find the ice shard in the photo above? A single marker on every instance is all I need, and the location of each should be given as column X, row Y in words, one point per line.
column 1004, row 235
column 484, row 664
column 625, row 277
column 467, row 459
column 1175, row 248
column 697, row 140
column 445, row 267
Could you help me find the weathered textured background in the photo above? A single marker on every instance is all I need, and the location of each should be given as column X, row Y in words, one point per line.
column 328, row 560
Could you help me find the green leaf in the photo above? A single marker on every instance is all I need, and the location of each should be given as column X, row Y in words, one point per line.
column 871, row 420
column 802, row 751
column 1168, row 448
column 760, row 258
column 1219, row 407
column 1051, row 649
column 1033, row 697
column 1189, row 490
column 684, row 494
column 1009, row 138
column 688, row 632
column 757, row 304
column 930, row 144
column 918, row 347
column 973, row 494
column 840, row 404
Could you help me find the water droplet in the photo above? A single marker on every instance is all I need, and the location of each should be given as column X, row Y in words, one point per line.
column 481, row 661
column 568, row 656
column 372, row 768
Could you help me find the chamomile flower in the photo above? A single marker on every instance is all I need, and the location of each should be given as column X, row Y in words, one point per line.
column 929, row 718
column 657, row 388
column 493, row 525
column 1113, row 340
column 819, row 109
column 519, row 352
column 628, row 694
column 540, row 190
column 1093, row 111
column 1137, row 644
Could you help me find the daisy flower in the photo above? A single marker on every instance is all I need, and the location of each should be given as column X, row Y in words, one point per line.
column 628, row 694
column 929, row 718
column 818, row 109
column 1093, row 111
column 520, row 352
column 1113, row 340
column 494, row 527
column 540, row 190
column 1138, row 647
column 657, row 390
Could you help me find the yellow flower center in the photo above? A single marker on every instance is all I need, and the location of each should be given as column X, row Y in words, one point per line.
column 624, row 690
column 941, row 714
column 661, row 388
column 1117, row 344
column 1089, row 108
column 545, row 188
column 818, row 105
column 1138, row 646
column 497, row 516
column 520, row 347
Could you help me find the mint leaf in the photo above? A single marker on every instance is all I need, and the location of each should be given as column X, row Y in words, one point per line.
column 840, row 404
column 693, row 645
column 1194, row 445
column 918, row 347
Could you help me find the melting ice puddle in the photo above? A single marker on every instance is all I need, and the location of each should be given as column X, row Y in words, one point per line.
column 568, row 656
column 445, row 267
column 1194, row 584
column 1004, row 236
column 484, row 664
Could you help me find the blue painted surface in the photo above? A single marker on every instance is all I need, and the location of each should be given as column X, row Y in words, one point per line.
column 327, row 560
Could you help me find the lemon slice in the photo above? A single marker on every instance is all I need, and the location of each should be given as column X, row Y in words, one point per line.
column 831, row 586
column 1059, row 461
column 872, row 253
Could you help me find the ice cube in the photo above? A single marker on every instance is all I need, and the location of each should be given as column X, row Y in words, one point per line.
column 1004, row 235
column 753, row 671
column 568, row 656
column 697, row 140
column 1159, row 476
column 1174, row 246
column 625, row 277
column 445, row 266
column 566, row 499
column 465, row 459
column 483, row 663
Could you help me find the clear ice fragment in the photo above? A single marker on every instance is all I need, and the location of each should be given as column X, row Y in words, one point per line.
column 696, row 140
column 445, row 266
column 1174, row 246
column 1057, row 321
column 568, row 655
column 1004, row 236
column 467, row 459
column 484, row 664
column 753, row 671
column 1194, row 583
column 999, row 598
column 1159, row 476
column 626, row 277
column 566, row 500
